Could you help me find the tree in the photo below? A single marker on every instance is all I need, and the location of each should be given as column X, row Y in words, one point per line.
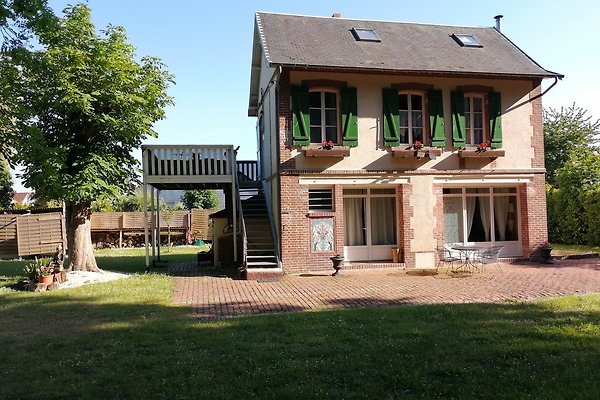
column 565, row 131
column 206, row 199
column 18, row 19
column 6, row 188
column 87, row 104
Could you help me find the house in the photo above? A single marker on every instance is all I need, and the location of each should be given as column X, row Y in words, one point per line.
column 22, row 199
column 377, row 137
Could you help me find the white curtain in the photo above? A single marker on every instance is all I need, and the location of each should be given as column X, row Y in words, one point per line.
column 354, row 222
column 501, row 213
column 484, row 213
column 470, row 214
column 383, row 221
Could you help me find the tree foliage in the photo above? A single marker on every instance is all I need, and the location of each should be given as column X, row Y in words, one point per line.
column 85, row 103
column 6, row 185
column 566, row 131
column 206, row 199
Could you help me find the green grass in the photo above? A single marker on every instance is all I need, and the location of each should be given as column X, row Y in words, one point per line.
column 564, row 249
column 121, row 260
column 125, row 340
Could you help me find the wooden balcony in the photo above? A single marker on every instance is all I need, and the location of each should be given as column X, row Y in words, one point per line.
column 188, row 164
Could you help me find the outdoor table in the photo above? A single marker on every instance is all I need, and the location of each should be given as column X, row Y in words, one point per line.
column 468, row 256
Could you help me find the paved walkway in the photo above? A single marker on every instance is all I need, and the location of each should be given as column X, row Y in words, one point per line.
column 212, row 297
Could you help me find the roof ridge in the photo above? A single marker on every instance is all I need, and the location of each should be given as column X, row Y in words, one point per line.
column 375, row 20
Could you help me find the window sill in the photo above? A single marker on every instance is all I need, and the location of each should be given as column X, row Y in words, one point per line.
column 318, row 151
column 473, row 153
column 408, row 152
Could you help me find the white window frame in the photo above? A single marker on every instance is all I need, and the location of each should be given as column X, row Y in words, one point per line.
column 323, row 110
column 410, row 111
column 470, row 119
column 511, row 247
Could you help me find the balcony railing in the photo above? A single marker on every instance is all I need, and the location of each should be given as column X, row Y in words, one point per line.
column 188, row 160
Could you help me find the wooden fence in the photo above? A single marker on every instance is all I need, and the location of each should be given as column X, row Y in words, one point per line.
column 40, row 234
column 31, row 234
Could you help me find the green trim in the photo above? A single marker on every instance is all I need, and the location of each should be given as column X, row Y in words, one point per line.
column 349, row 119
column 458, row 118
column 495, row 102
column 436, row 118
column 391, row 117
column 300, row 116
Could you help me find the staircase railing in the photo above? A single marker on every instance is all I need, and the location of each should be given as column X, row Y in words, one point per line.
column 241, row 218
column 274, row 231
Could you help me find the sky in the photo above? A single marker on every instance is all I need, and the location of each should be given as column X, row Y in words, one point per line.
column 207, row 45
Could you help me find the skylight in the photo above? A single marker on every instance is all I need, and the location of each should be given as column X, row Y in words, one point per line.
column 365, row 35
column 466, row 40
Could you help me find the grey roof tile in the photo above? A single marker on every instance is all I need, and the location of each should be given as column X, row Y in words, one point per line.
column 295, row 40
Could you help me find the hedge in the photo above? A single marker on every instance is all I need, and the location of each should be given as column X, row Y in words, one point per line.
column 574, row 216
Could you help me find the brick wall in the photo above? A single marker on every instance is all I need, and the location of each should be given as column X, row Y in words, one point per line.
column 534, row 224
column 406, row 232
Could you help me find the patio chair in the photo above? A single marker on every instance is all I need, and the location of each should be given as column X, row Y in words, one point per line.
column 490, row 256
column 446, row 256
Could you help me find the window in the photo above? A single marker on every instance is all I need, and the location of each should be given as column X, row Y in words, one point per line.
column 320, row 200
column 411, row 117
column 476, row 118
column 481, row 215
column 324, row 114
column 365, row 35
column 466, row 40
column 474, row 128
column 369, row 217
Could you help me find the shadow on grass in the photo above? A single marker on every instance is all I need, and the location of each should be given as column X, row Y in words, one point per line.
column 124, row 340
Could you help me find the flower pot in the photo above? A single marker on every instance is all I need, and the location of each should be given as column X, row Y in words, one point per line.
column 545, row 255
column 337, row 264
column 46, row 279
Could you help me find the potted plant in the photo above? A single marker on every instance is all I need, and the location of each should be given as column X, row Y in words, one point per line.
column 337, row 261
column 545, row 251
column 483, row 146
column 327, row 145
column 40, row 270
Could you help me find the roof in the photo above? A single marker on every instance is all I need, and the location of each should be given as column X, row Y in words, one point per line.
column 22, row 197
column 320, row 42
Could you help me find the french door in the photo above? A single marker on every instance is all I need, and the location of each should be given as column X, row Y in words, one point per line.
column 369, row 223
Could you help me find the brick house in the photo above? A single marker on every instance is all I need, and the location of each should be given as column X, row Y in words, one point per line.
column 375, row 136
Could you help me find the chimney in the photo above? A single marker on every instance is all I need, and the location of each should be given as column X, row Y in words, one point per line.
column 498, row 19
column 336, row 15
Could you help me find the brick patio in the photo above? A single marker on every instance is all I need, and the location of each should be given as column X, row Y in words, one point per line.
column 212, row 297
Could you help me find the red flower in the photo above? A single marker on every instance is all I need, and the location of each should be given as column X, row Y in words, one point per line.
column 483, row 145
column 417, row 143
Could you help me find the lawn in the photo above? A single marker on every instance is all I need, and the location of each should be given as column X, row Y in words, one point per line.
column 126, row 340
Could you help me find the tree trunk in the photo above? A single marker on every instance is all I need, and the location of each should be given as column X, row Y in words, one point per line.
column 79, row 237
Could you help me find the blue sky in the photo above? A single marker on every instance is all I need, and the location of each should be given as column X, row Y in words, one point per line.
column 207, row 46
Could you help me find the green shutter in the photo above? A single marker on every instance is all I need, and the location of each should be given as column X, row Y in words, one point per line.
column 458, row 118
column 436, row 118
column 300, row 116
column 391, row 117
column 495, row 120
column 349, row 119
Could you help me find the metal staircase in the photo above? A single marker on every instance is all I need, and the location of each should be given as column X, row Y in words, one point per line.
column 260, row 246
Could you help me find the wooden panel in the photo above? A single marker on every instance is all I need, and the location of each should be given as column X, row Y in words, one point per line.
column 39, row 233
column 8, row 236
column 200, row 224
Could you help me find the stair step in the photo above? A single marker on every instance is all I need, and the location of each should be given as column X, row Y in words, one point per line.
column 261, row 265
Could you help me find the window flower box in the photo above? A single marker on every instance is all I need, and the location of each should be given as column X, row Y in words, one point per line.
column 421, row 152
column 329, row 151
column 479, row 152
